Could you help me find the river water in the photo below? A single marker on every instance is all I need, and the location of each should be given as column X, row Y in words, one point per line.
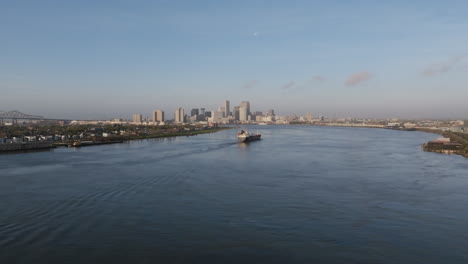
column 303, row 194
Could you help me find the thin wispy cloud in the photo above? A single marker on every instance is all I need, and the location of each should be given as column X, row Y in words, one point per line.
column 250, row 84
column 319, row 78
column 358, row 78
column 442, row 67
column 292, row 88
column 288, row 86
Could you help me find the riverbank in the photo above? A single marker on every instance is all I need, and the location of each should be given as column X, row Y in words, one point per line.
column 458, row 141
column 25, row 146
column 177, row 134
column 122, row 139
column 28, row 146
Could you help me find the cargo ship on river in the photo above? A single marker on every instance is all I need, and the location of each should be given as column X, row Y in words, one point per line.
column 245, row 136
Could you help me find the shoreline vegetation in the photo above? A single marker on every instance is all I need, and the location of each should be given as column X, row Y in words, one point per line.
column 94, row 140
column 121, row 139
column 458, row 143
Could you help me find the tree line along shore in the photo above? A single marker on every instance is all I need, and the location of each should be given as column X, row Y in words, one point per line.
column 23, row 138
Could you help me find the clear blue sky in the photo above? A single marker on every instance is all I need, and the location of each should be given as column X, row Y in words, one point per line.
column 103, row 59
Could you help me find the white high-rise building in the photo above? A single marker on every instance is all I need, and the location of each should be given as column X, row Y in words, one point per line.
column 243, row 113
column 216, row 116
column 158, row 116
column 222, row 110
column 246, row 104
column 179, row 115
column 137, row 118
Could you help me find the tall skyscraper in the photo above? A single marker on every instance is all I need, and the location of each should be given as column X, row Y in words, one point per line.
column 216, row 116
column 137, row 118
column 309, row 116
column 158, row 116
column 243, row 113
column 194, row 112
column 179, row 115
column 202, row 111
column 236, row 112
column 271, row 112
column 246, row 104
column 227, row 110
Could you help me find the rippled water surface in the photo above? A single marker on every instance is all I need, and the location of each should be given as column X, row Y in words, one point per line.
column 302, row 194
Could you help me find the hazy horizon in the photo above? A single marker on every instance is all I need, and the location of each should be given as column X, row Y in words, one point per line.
column 95, row 60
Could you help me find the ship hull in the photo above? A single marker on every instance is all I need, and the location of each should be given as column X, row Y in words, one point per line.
column 249, row 138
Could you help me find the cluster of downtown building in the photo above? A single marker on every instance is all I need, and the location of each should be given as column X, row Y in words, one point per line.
column 224, row 115
column 242, row 114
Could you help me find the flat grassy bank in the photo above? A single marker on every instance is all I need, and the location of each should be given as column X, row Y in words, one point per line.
column 172, row 134
column 120, row 139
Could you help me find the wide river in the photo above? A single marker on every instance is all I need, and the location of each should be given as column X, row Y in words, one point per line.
column 303, row 194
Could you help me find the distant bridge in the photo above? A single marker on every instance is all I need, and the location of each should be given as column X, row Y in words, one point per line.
column 15, row 115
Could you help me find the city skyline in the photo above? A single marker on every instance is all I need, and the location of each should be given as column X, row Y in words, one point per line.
column 235, row 113
column 247, row 131
column 92, row 60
